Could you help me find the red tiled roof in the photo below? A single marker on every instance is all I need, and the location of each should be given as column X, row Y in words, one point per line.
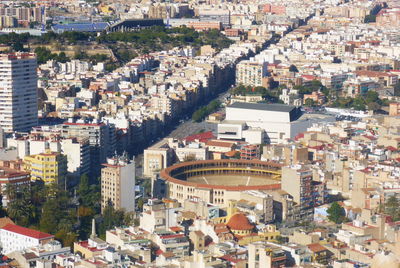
column 316, row 247
column 309, row 77
column 231, row 153
column 220, row 144
column 220, row 228
column 239, row 222
column 202, row 137
column 299, row 136
column 391, row 148
column 171, row 236
column 175, row 229
column 26, row 232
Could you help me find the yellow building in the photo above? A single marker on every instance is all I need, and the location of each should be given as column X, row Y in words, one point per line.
column 50, row 167
column 105, row 9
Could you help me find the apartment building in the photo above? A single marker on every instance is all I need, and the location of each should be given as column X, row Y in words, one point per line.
column 250, row 152
column 102, row 140
column 49, row 167
column 78, row 155
column 251, row 73
column 118, row 183
column 12, row 173
column 158, row 215
column 171, row 243
column 18, row 95
column 157, row 157
column 14, row 237
column 8, row 21
column 262, row 255
column 220, row 15
column 298, row 182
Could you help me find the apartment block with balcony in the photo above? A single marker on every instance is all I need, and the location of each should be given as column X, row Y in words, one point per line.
column 251, row 73
column 298, row 182
column 169, row 242
column 49, row 167
column 18, row 94
column 118, row 183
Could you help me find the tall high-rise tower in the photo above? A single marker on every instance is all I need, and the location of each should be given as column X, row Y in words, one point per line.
column 18, row 92
column 118, row 183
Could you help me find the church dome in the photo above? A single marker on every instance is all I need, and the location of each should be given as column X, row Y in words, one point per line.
column 239, row 222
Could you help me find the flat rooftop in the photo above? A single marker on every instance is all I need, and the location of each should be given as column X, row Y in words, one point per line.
column 274, row 107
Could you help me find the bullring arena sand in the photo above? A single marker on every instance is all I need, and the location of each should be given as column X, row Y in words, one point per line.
column 233, row 180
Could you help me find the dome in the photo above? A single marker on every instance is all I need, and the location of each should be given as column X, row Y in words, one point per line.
column 239, row 222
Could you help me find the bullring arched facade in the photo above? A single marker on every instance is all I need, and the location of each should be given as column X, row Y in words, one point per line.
column 178, row 186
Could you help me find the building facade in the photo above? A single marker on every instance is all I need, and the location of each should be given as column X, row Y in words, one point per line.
column 14, row 237
column 102, row 140
column 18, row 94
column 251, row 73
column 49, row 167
column 118, row 183
column 298, row 181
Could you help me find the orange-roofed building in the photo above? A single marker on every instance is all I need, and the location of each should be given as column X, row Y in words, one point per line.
column 320, row 253
column 240, row 225
column 220, row 146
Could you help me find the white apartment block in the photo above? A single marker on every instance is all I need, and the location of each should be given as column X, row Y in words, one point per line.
column 17, row 238
column 18, row 92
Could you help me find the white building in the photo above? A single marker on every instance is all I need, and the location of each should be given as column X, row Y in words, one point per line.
column 17, row 238
column 157, row 216
column 276, row 119
column 280, row 122
column 18, row 94
column 193, row 151
column 78, row 155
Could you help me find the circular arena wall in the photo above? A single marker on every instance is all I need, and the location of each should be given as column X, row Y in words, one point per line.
column 217, row 181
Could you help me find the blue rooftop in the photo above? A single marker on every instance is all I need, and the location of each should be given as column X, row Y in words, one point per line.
column 80, row 27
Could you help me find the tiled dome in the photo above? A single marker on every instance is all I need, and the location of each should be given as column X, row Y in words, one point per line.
column 239, row 222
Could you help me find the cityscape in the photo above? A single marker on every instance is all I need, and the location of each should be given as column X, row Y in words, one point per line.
column 199, row 133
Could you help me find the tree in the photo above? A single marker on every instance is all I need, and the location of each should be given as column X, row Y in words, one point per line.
column 20, row 207
column 83, row 190
column 371, row 96
column 309, row 102
column 110, row 218
column 3, row 212
column 50, row 216
column 336, row 213
column 203, row 111
column 370, row 18
column 392, row 208
column 140, row 203
column 358, row 104
column 67, row 238
column 374, row 106
column 293, row 69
